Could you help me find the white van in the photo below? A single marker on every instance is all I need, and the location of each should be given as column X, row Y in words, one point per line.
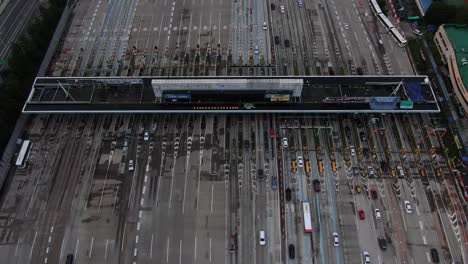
column 130, row 165
column 262, row 238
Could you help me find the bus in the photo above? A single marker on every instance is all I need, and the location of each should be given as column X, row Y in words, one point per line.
column 23, row 154
column 375, row 7
column 307, row 166
column 384, row 20
column 320, row 163
column 396, row 35
column 307, row 222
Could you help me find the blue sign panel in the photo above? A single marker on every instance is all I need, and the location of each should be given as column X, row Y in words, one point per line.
column 177, row 96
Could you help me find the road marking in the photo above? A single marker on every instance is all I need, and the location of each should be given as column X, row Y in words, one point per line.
column 421, row 225
column 138, row 226
column 135, row 252
column 16, row 249
column 151, row 247
column 195, row 251
column 141, row 201
column 180, row 252
column 428, row 257
column 91, row 247
column 136, row 239
column 146, row 178
column 167, row 250
column 105, row 252
column 32, row 246
column 144, row 189
column 123, row 237
column 212, row 186
column 52, row 229
column 76, row 247
column 139, row 213
column 424, row 240
column 50, row 238
column 210, row 249
column 45, row 260
column 47, row 250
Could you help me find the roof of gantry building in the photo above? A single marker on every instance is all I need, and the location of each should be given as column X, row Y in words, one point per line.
column 458, row 35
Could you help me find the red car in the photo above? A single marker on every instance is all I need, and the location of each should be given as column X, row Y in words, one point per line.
column 362, row 215
column 373, row 193
column 272, row 133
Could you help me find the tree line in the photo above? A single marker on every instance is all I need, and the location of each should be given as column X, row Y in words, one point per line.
column 23, row 63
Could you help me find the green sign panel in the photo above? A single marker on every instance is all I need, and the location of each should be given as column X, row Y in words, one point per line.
column 3, row 61
column 413, row 17
column 406, row 104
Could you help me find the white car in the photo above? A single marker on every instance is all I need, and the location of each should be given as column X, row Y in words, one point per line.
column 265, row 27
column 346, row 26
column 408, row 208
column 378, row 215
column 353, row 151
column 300, row 161
column 366, row 257
column 401, row 172
column 285, row 142
column 282, row 9
column 146, row 136
column 336, row 240
column 130, row 165
column 256, row 49
column 262, row 238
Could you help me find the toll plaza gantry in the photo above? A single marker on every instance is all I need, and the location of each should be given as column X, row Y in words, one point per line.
column 281, row 94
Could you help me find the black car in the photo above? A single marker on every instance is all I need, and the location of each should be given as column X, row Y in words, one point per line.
column 359, row 122
column 69, row 259
column 260, row 174
column 292, row 252
column 277, row 40
column 286, row 43
column 366, row 152
column 317, row 185
column 288, row 194
column 383, row 166
column 356, row 171
column 362, row 135
column 435, row 255
column 347, row 132
column 382, row 243
column 359, row 71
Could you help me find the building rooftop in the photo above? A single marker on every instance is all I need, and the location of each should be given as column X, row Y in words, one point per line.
column 458, row 35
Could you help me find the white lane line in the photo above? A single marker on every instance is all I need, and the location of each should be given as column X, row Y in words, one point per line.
column 151, row 247
column 195, row 251
column 123, row 237
column 32, row 246
column 421, row 225
column 144, row 189
column 210, row 249
column 142, row 201
column 52, row 229
column 91, row 247
column 146, row 178
column 61, row 248
column 45, row 260
column 428, row 257
column 139, row 213
column 167, row 250
column 135, row 252
column 138, row 226
column 50, row 239
column 76, row 247
column 16, row 249
column 136, row 239
column 180, row 252
column 424, row 240
column 212, row 186
column 105, row 252
column 47, row 250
